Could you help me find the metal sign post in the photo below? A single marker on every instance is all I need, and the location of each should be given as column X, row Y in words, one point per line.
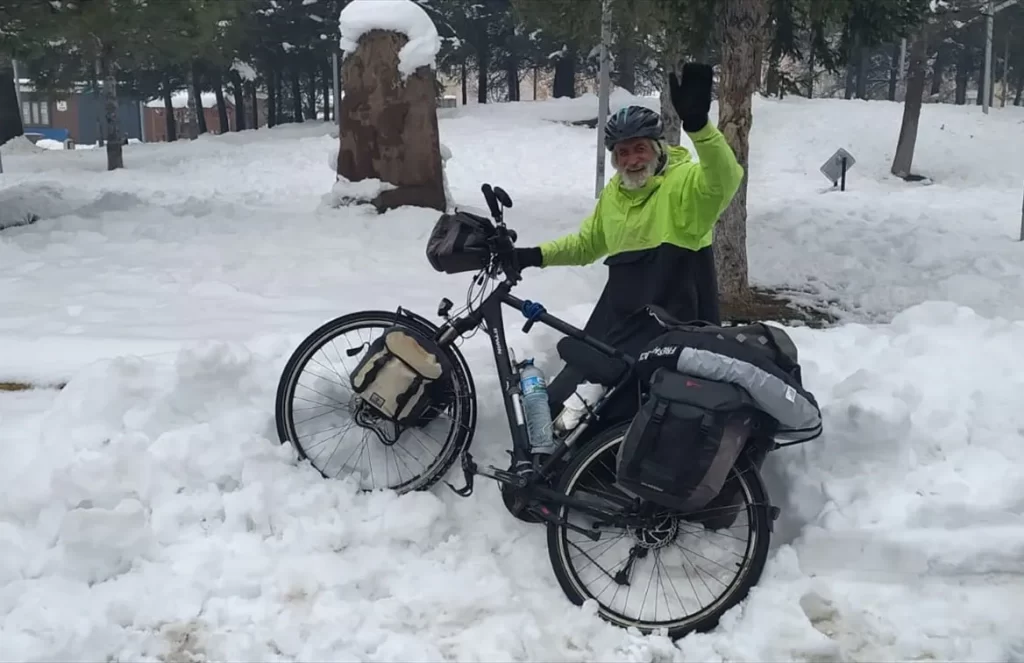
column 603, row 93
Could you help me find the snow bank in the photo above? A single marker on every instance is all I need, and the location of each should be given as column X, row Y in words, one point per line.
column 25, row 202
column 151, row 514
column 405, row 16
column 20, row 145
column 50, row 144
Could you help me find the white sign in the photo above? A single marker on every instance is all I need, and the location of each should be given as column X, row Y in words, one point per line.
column 833, row 168
column 62, row 106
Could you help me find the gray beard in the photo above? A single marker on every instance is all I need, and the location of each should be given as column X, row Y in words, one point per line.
column 637, row 180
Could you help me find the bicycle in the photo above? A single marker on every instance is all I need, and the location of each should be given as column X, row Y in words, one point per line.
column 545, row 488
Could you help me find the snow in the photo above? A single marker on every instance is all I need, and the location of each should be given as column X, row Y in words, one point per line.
column 405, row 16
column 149, row 512
column 245, row 70
column 345, row 192
column 180, row 98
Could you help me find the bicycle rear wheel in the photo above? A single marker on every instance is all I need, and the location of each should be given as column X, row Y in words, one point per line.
column 320, row 416
column 673, row 557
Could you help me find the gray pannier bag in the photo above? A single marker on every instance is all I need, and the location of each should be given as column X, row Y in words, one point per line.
column 711, row 391
column 398, row 375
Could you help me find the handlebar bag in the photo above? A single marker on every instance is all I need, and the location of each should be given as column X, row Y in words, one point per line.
column 459, row 243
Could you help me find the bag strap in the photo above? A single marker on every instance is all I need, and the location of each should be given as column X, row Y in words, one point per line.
column 649, row 433
column 403, row 398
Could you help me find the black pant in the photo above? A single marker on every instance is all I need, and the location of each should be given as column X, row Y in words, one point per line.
column 632, row 334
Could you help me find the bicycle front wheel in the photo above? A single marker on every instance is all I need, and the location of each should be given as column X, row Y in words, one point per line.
column 320, row 416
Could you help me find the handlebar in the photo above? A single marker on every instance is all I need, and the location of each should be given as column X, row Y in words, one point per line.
column 502, row 244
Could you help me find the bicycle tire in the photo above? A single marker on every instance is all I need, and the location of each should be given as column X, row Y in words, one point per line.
column 467, row 412
column 750, row 483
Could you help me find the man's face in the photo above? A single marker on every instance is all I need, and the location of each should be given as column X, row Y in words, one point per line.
column 636, row 160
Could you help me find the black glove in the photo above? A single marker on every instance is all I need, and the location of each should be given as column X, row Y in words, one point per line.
column 691, row 96
column 531, row 257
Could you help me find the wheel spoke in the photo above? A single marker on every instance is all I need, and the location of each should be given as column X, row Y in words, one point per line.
column 336, row 426
column 664, row 587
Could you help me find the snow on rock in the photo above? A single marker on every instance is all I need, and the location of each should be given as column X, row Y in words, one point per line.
column 346, row 192
column 405, row 16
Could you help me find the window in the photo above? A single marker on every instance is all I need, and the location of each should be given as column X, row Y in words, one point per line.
column 35, row 113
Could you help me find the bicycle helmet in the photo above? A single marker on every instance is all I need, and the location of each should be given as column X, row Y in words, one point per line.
column 632, row 122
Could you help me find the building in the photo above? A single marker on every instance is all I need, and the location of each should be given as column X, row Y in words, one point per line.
column 78, row 118
column 155, row 115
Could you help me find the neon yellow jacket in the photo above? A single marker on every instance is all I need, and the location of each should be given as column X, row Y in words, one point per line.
column 680, row 206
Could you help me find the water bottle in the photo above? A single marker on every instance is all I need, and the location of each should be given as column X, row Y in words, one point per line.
column 538, row 413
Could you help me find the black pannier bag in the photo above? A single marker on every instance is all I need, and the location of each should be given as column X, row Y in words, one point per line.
column 684, row 441
column 712, row 391
column 759, row 358
column 400, row 377
column 458, row 243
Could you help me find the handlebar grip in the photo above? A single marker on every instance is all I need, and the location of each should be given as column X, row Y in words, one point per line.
column 492, row 200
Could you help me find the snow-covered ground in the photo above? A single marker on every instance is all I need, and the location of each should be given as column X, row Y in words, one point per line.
column 149, row 513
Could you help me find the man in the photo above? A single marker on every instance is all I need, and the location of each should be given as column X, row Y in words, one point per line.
column 654, row 218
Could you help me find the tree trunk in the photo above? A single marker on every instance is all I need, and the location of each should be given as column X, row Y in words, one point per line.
column 311, row 93
column 894, row 70
column 10, row 114
column 938, row 69
column 222, row 107
column 465, row 82
column 964, row 67
column 279, row 83
column 564, row 84
column 673, row 132
column 1020, row 88
column 389, row 127
column 238, row 92
column 254, row 104
column 512, row 76
column 625, row 60
column 115, row 143
column 852, row 62
column 815, row 31
column 1006, row 68
column 170, row 119
column 483, row 64
column 197, row 92
column 271, row 83
column 742, row 28
column 981, row 83
column 904, row 157
column 863, row 62
column 297, row 94
column 328, row 89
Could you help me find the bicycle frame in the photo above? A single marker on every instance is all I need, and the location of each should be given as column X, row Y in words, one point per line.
column 490, row 314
